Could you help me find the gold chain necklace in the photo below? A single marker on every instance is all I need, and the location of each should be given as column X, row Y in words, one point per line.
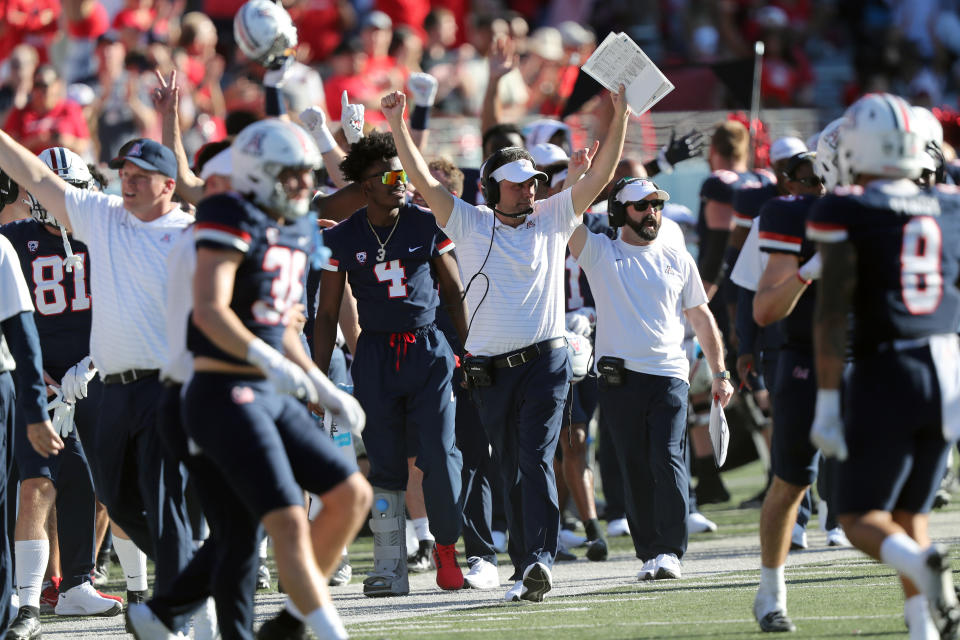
column 382, row 251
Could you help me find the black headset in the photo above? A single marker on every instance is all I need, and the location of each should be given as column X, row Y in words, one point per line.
column 489, row 186
column 616, row 210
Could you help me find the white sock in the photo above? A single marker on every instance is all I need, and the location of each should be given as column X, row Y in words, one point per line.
column 917, row 615
column 134, row 563
column 292, row 609
column 772, row 592
column 902, row 552
column 422, row 527
column 262, row 549
column 326, row 623
column 32, row 557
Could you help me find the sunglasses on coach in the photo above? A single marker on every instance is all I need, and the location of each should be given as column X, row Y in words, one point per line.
column 391, row 177
column 642, row 205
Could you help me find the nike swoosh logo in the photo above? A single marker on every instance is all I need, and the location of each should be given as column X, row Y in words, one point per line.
column 412, row 249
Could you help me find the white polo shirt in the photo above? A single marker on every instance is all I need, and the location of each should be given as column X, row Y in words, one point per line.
column 751, row 262
column 181, row 264
column 128, row 278
column 640, row 300
column 524, row 304
column 14, row 296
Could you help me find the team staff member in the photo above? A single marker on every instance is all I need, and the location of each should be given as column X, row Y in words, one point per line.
column 128, row 237
column 650, row 287
column 519, row 366
column 19, row 339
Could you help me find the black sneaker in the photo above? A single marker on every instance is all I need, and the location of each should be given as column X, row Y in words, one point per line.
column 776, row 622
column 597, row 550
column 136, row 597
column 755, row 502
column 283, row 626
column 26, row 626
column 711, row 490
column 422, row 560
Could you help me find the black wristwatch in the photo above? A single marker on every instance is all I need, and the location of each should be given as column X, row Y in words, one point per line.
column 722, row 375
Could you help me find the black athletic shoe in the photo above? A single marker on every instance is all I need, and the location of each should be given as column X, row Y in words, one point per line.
column 711, row 490
column 136, row 597
column 755, row 502
column 776, row 622
column 26, row 626
column 283, row 626
column 597, row 550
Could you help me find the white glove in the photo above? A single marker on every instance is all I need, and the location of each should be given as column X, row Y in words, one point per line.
column 285, row 376
column 76, row 379
column 277, row 77
column 351, row 119
column 343, row 405
column 62, row 414
column 581, row 321
column 424, row 89
column 827, row 431
column 315, row 121
column 812, row 268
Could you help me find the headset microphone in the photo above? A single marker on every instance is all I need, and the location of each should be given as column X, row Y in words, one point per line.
column 521, row 214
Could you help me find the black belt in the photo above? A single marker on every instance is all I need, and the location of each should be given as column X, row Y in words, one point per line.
column 526, row 354
column 131, row 375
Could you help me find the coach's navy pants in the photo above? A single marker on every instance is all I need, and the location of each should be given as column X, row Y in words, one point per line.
column 647, row 415
column 521, row 413
column 7, row 401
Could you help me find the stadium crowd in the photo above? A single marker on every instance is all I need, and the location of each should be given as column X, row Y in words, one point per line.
column 244, row 301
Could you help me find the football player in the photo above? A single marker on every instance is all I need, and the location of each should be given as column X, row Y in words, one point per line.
column 891, row 257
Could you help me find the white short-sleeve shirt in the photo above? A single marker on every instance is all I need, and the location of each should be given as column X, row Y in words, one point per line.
column 641, row 295
column 128, row 278
column 181, row 265
column 751, row 262
column 525, row 301
column 14, row 295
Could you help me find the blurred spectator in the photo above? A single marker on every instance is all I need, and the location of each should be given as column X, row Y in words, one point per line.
column 407, row 12
column 32, row 22
column 787, row 77
column 440, row 28
column 18, row 81
column 381, row 69
column 86, row 21
column 49, row 119
column 320, row 26
column 406, row 48
column 349, row 67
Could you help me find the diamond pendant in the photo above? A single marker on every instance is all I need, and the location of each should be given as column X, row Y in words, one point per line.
column 381, row 254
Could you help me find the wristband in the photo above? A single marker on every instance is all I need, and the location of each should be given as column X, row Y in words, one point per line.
column 420, row 118
column 663, row 163
column 803, row 280
column 325, row 140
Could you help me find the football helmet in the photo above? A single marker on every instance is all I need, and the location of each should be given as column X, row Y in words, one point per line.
column 881, row 139
column 261, row 152
column 931, row 132
column 69, row 167
column 580, row 351
column 827, row 163
column 264, row 32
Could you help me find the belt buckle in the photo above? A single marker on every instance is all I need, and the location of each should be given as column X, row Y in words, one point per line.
column 520, row 359
column 132, row 376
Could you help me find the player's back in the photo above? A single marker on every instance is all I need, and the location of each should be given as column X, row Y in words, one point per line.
column 907, row 242
column 61, row 298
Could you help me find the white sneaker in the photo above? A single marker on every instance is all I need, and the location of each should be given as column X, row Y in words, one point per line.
column 499, row 541
column 940, row 591
column 571, row 540
column 143, row 623
column 515, row 592
column 837, row 538
column 699, row 523
column 668, row 567
column 83, row 600
column 798, row 539
column 482, row 574
column 648, row 570
column 205, row 622
column 618, row 527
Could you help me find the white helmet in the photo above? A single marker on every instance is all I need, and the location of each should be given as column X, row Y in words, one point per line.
column 881, row 139
column 931, row 133
column 264, row 32
column 68, row 166
column 263, row 150
column 827, row 163
column 580, row 350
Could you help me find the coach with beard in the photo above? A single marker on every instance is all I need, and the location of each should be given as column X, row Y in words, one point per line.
column 649, row 286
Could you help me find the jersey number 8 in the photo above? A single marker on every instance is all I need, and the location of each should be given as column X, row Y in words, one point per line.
column 920, row 277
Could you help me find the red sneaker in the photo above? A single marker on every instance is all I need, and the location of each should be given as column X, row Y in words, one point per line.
column 50, row 595
column 449, row 575
column 111, row 597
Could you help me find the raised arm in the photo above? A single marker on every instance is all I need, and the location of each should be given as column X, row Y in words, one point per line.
column 436, row 195
column 605, row 163
column 502, row 61
column 24, row 168
column 166, row 99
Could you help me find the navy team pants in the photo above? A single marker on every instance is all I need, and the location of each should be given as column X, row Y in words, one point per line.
column 647, row 415
column 7, row 401
column 138, row 481
column 521, row 412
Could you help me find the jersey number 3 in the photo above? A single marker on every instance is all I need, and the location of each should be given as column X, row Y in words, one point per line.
column 920, row 277
column 49, row 295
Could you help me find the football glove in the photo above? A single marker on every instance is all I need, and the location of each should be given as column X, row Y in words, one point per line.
column 344, row 406
column 76, row 379
column 62, row 414
column 827, row 431
column 315, row 121
column 581, row 321
column 812, row 268
column 351, row 119
column 423, row 86
column 680, row 149
column 285, row 376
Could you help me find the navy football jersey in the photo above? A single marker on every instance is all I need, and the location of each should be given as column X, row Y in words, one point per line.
column 398, row 293
column 271, row 276
column 908, row 257
column 750, row 195
column 783, row 223
column 576, row 288
column 61, row 298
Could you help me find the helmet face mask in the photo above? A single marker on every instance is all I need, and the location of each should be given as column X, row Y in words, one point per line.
column 827, row 163
column 261, row 153
column 71, row 169
column 264, row 32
